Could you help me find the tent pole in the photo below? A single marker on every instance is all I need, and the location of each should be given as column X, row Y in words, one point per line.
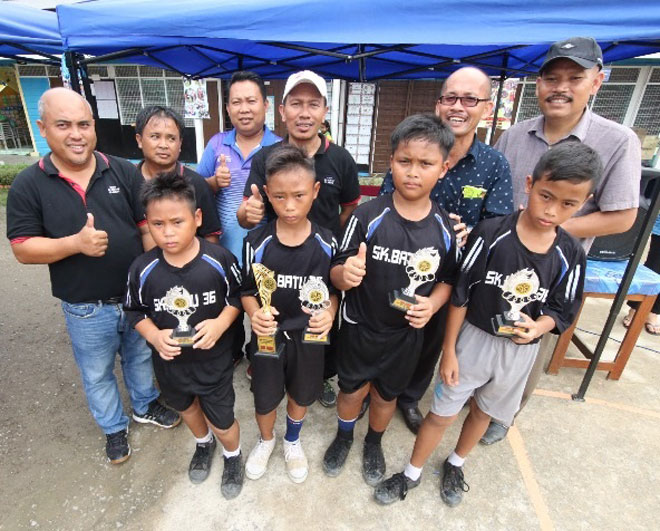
column 71, row 64
column 638, row 250
column 498, row 101
column 88, row 91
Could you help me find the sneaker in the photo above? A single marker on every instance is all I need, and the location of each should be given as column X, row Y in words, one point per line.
column 373, row 463
column 335, row 456
column 232, row 477
column 159, row 415
column 364, row 406
column 453, row 484
column 257, row 461
column 395, row 488
column 202, row 459
column 495, row 433
column 116, row 447
column 328, row 396
column 248, row 373
column 295, row 460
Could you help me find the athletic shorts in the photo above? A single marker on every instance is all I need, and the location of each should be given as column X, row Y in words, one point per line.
column 210, row 381
column 493, row 369
column 298, row 371
column 386, row 359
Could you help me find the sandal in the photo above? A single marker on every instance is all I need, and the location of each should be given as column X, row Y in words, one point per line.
column 628, row 319
column 653, row 329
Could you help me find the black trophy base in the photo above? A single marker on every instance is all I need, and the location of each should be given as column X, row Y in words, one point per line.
column 183, row 337
column 315, row 339
column 503, row 326
column 400, row 301
column 267, row 347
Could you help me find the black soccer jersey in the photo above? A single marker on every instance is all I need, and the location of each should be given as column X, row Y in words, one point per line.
column 391, row 240
column 292, row 266
column 499, row 273
column 210, row 282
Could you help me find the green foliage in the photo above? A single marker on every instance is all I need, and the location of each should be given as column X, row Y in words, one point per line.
column 9, row 171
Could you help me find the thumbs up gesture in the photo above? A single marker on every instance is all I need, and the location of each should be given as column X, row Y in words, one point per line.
column 222, row 173
column 92, row 242
column 355, row 267
column 254, row 207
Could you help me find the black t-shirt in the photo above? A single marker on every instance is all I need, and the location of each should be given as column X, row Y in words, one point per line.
column 391, row 240
column 212, row 279
column 292, row 266
column 549, row 284
column 335, row 170
column 43, row 202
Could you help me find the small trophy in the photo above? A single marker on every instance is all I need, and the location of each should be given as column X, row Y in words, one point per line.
column 518, row 289
column 315, row 298
column 266, row 285
column 421, row 268
column 181, row 305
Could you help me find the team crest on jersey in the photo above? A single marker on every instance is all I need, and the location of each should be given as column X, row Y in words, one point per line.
column 329, row 179
column 113, row 189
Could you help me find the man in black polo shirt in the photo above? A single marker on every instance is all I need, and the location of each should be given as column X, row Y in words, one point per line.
column 303, row 109
column 79, row 211
column 159, row 134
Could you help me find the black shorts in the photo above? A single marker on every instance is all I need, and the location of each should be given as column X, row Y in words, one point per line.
column 299, row 371
column 386, row 359
column 210, row 381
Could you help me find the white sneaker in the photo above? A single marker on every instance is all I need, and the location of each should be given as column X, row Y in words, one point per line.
column 296, row 462
column 257, row 461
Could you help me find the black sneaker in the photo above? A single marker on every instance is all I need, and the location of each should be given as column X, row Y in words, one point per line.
column 364, row 406
column 116, row 447
column 159, row 415
column 395, row 488
column 202, row 459
column 373, row 463
column 335, row 456
column 232, row 477
column 328, row 396
column 453, row 485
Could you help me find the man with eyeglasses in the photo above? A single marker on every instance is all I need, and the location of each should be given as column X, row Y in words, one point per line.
column 477, row 186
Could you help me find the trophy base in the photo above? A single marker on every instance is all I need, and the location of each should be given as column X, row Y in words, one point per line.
column 268, row 348
column 183, row 337
column 315, row 339
column 503, row 326
column 400, row 301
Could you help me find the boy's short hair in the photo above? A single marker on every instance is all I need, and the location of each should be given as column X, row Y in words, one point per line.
column 168, row 185
column 286, row 158
column 570, row 161
column 147, row 113
column 423, row 127
column 247, row 75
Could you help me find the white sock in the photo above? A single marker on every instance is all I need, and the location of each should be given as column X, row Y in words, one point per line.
column 206, row 439
column 455, row 459
column 269, row 442
column 412, row 472
column 226, row 453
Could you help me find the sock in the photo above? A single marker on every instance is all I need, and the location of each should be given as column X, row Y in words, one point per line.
column 293, row 428
column 345, row 428
column 227, row 454
column 206, row 439
column 412, row 472
column 455, row 459
column 373, row 437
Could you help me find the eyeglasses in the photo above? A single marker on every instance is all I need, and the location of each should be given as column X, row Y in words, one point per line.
column 466, row 101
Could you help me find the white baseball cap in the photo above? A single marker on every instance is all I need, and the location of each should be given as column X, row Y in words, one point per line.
column 306, row 76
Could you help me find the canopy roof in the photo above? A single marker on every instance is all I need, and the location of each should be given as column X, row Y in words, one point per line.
column 25, row 30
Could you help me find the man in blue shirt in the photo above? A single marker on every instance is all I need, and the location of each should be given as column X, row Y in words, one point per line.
column 477, row 186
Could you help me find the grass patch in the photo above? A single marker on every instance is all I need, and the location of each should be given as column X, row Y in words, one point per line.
column 3, row 196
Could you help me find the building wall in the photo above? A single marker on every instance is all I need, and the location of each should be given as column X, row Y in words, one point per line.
column 33, row 88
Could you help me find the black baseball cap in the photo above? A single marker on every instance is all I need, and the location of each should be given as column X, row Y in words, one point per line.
column 584, row 51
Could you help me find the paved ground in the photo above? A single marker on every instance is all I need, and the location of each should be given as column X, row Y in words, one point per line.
column 566, row 465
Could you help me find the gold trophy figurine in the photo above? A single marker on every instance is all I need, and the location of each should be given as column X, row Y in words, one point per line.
column 266, row 285
column 181, row 305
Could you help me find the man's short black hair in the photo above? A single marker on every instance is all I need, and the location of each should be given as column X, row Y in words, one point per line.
column 246, row 75
column 161, row 111
column 570, row 161
column 287, row 158
column 168, row 185
column 423, row 127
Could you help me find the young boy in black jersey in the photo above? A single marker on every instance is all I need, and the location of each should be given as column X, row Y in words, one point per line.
column 390, row 244
column 188, row 282
column 296, row 250
column 521, row 261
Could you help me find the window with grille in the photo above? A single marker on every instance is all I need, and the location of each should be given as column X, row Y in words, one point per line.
column 648, row 114
column 32, row 71
column 528, row 106
column 95, row 70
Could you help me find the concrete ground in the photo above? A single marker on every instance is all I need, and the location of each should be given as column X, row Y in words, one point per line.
column 565, row 465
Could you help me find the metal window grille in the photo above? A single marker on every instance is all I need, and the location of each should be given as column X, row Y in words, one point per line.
column 528, row 106
column 612, row 101
column 655, row 76
column 126, row 71
column 53, row 71
column 32, row 71
column 95, row 70
column 150, row 71
column 129, row 97
column 648, row 115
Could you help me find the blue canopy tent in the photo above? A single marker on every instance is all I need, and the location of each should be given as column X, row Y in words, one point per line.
column 26, row 31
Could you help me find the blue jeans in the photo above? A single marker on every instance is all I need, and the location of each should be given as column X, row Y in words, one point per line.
column 98, row 331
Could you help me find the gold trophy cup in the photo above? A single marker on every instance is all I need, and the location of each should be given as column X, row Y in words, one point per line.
column 266, row 285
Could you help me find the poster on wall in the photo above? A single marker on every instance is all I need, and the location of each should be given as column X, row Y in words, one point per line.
column 505, row 111
column 270, row 113
column 196, row 103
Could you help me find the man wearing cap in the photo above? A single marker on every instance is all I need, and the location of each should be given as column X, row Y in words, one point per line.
column 303, row 109
column 569, row 76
